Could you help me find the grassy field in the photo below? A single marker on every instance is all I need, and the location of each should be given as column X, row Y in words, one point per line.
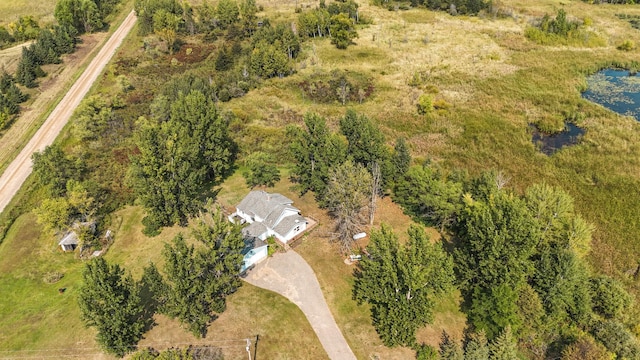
column 42, row 11
column 495, row 81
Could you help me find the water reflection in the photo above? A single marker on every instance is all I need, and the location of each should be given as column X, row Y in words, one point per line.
column 616, row 90
column 550, row 143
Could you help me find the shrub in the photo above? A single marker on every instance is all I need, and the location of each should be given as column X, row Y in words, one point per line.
column 627, row 45
column 52, row 277
column 425, row 104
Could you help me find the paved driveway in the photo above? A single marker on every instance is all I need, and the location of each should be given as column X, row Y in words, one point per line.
column 289, row 275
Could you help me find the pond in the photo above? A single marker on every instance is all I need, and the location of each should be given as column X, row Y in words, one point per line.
column 550, row 143
column 617, row 90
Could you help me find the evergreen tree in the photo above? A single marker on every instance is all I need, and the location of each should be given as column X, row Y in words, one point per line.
column 315, row 150
column 450, row 349
column 227, row 13
column 28, row 69
column 476, row 346
column 504, row 347
column 425, row 192
column 400, row 160
column 224, row 60
column 401, row 283
column 109, row 301
column 154, row 292
column 366, row 144
column 248, row 11
column 199, row 279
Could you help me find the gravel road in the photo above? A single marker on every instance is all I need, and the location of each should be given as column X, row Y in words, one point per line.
column 18, row 171
column 290, row 276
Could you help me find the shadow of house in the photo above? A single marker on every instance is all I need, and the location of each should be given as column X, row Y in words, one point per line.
column 254, row 251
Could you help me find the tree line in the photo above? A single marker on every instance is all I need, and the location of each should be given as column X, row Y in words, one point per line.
column 74, row 17
column 453, row 7
column 192, row 288
column 518, row 261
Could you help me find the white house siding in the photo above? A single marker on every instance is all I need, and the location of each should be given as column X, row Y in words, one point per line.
column 293, row 233
column 255, row 256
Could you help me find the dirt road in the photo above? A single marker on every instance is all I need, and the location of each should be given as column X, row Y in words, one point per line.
column 290, row 276
column 18, row 171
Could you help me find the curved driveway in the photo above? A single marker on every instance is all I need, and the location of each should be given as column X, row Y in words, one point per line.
column 20, row 168
column 290, row 276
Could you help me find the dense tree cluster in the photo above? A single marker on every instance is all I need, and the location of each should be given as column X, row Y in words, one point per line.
column 401, row 283
column 74, row 17
column 455, row 7
column 201, row 352
column 319, row 154
column 25, row 28
column 180, row 158
column 197, row 279
column 337, row 21
column 519, row 261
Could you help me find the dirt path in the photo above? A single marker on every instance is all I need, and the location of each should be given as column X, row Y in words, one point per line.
column 290, row 276
column 18, row 171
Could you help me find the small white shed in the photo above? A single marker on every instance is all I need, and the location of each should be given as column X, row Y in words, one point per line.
column 69, row 241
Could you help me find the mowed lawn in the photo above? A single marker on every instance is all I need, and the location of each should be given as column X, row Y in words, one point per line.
column 37, row 320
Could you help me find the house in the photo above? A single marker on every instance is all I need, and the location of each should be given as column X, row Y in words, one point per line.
column 69, row 241
column 255, row 250
column 269, row 215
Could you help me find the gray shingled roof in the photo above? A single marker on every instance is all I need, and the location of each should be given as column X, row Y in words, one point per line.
column 289, row 223
column 263, row 204
column 250, row 244
column 254, row 229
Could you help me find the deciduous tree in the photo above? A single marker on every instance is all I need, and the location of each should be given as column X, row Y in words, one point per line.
column 343, row 30
column 261, row 170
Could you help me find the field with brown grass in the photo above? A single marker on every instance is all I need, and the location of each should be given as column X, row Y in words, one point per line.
column 42, row 10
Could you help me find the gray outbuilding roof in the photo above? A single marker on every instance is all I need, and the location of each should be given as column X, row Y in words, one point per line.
column 69, row 239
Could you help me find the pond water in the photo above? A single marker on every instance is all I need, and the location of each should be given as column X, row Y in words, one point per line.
column 616, row 90
column 550, row 143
